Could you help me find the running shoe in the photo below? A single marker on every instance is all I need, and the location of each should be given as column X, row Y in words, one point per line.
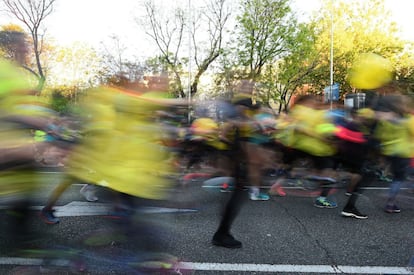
column 323, row 202
column 385, row 178
column 392, row 209
column 349, row 193
column 259, row 197
column 88, row 193
column 226, row 240
column 353, row 213
column 48, row 216
column 277, row 190
column 225, row 187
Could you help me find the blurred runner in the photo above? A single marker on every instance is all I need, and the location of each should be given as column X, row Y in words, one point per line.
column 21, row 113
column 121, row 151
column 395, row 132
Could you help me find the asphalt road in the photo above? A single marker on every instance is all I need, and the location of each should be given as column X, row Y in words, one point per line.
column 286, row 235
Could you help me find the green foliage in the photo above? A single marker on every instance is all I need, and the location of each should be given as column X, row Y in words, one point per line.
column 156, row 64
column 263, row 31
column 358, row 27
column 293, row 71
column 404, row 68
column 272, row 49
column 283, row 56
column 159, row 65
column 63, row 99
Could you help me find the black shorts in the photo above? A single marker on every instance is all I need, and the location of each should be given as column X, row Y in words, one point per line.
column 399, row 167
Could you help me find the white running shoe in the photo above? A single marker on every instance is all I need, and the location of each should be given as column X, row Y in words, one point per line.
column 88, row 192
column 259, row 197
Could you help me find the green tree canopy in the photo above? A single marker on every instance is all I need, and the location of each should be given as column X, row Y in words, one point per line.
column 263, row 30
column 358, row 27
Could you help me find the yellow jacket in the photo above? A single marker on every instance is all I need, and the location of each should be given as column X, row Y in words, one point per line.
column 396, row 136
column 312, row 131
column 121, row 149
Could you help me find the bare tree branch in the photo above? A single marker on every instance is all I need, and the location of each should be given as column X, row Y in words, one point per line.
column 32, row 13
column 206, row 36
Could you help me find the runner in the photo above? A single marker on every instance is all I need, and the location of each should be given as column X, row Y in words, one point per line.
column 21, row 112
column 121, row 151
column 352, row 153
column 395, row 133
column 313, row 134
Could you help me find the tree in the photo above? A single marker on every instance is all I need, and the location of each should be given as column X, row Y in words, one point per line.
column 359, row 27
column 269, row 48
column 205, row 32
column 216, row 17
column 404, row 68
column 117, row 67
column 77, row 65
column 168, row 33
column 262, row 31
column 32, row 13
column 281, row 79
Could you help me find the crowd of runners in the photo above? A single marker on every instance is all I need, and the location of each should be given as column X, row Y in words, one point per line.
column 113, row 141
column 313, row 141
column 128, row 142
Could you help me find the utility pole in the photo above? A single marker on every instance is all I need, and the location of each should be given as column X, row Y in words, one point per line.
column 189, row 61
column 332, row 52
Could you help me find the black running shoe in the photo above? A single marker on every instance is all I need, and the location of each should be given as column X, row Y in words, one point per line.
column 353, row 213
column 226, row 240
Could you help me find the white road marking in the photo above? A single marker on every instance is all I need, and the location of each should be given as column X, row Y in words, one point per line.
column 31, row 261
column 298, row 187
column 346, row 269
column 80, row 208
column 77, row 208
column 250, row 267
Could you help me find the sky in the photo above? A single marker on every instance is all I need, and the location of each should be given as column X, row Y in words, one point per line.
column 93, row 21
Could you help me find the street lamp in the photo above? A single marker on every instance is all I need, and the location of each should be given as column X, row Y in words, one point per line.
column 331, row 57
column 189, row 61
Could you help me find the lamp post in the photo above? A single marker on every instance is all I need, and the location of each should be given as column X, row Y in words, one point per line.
column 331, row 57
column 189, row 61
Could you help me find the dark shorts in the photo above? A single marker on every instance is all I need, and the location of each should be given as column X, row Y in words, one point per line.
column 399, row 167
column 291, row 155
column 321, row 163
